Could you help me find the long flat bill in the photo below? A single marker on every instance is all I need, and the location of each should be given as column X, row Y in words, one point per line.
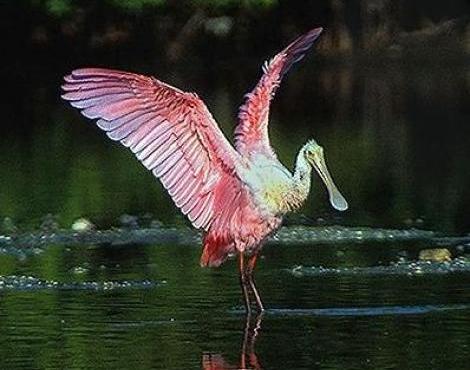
column 336, row 198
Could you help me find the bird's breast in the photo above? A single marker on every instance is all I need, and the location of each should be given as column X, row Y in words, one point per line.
column 268, row 185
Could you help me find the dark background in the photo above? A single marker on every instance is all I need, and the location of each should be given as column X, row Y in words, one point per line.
column 385, row 90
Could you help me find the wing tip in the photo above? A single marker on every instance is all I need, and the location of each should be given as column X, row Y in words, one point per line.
column 306, row 40
column 87, row 71
column 297, row 49
column 79, row 74
column 317, row 30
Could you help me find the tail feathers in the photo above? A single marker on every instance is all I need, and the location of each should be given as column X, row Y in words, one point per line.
column 216, row 250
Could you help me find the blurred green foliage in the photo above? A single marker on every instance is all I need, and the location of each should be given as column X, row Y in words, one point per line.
column 377, row 118
column 63, row 7
column 59, row 7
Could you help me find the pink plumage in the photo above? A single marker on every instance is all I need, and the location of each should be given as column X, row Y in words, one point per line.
column 173, row 134
column 251, row 134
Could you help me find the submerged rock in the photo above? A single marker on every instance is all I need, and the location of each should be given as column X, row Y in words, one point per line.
column 14, row 282
column 8, row 227
column 49, row 224
column 457, row 265
column 300, row 235
column 463, row 248
column 435, row 254
column 156, row 224
column 129, row 221
column 314, row 237
column 83, row 225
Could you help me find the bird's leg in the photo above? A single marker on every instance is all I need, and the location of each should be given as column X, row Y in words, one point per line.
column 248, row 345
column 246, row 333
column 244, row 283
column 249, row 272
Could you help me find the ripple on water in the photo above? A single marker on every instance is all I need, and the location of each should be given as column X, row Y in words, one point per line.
column 23, row 282
column 368, row 311
column 458, row 265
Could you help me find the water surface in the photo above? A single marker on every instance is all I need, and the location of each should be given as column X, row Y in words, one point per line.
column 190, row 318
column 396, row 140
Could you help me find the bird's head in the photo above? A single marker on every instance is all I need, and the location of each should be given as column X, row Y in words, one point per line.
column 314, row 155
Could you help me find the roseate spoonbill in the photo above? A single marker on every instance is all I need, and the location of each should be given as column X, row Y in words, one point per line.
column 236, row 194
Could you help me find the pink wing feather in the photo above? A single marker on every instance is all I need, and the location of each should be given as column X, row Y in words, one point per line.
column 171, row 132
column 251, row 134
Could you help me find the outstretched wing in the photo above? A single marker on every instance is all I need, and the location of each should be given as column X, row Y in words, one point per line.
column 251, row 133
column 171, row 132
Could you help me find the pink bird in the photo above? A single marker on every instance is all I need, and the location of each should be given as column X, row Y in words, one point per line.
column 237, row 195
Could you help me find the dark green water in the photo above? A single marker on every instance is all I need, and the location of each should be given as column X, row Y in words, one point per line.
column 339, row 322
column 396, row 140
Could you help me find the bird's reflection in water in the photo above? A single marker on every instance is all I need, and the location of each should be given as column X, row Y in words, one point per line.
column 248, row 358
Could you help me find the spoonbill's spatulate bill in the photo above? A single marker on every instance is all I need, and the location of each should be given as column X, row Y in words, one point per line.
column 236, row 195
